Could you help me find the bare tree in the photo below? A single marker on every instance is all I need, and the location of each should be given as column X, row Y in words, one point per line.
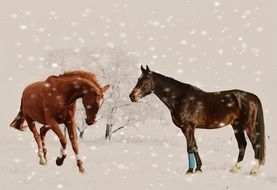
column 115, row 67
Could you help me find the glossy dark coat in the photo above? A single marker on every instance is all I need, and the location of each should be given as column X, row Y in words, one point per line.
column 192, row 108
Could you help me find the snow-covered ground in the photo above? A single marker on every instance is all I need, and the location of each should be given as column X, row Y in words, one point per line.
column 215, row 45
column 137, row 161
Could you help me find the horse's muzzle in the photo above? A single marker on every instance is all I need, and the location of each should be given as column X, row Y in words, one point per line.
column 135, row 95
column 90, row 122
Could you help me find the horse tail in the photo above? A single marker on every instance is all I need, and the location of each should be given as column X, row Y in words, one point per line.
column 17, row 123
column 260, row 130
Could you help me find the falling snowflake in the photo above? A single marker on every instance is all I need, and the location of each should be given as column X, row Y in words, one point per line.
column 183, row 42
column 122, row 24
column 179, row 71
column 93, row 148
column 28, row 13
column 204, row 32
column 23, row 27
column 59, row 186
column 154, row 165
column 192, row 31
column 122, row 167
column 245, row 14
column 31, row 58
column 17, row 160
column 229, row 64
column 13, row 16
column 259, row 29
column 216, row 4
column 220, row 51
column 54, row 65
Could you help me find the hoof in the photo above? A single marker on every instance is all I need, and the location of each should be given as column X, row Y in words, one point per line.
column 42, row 161
column 199, row 171
column 189, row 172
column 59, row 161
column 235, row 169
column 80, row 166
column 254, row 172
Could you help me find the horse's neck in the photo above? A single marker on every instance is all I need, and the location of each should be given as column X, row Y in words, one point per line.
column 171, row 92
column 167, row 93
column 76, row 89
column 73, row 95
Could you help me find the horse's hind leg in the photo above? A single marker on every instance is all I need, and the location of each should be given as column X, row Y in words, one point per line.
column 251, row 133
column 37, row 137
column 253, row 137
column 43, row 130
column 239, row 134
column 71, row 127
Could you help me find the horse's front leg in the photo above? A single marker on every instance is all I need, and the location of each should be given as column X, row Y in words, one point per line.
column 55, row 127
column 71, row 127
column 193, row 155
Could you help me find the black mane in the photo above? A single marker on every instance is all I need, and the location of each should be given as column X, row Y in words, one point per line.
column 173, row 83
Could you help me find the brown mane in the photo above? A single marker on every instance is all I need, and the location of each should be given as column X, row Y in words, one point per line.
column 82, row 74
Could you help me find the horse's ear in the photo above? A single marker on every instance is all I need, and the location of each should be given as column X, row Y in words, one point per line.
column 147, row 68
column 142, row 69
column 105, row 88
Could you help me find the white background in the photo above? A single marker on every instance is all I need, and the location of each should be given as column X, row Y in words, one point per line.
column 215, row 45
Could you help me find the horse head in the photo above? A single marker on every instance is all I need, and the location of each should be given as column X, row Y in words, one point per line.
column 92, row 101
column 144, row 85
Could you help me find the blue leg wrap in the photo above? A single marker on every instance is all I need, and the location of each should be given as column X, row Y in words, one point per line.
column 191, row 160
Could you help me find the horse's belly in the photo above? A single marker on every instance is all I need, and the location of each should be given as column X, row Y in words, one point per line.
column 220, row 120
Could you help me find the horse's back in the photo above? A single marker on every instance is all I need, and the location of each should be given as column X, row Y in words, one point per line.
column 231, row 99
column 237, row 94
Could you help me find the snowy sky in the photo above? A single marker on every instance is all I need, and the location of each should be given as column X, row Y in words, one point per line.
column 215, row 45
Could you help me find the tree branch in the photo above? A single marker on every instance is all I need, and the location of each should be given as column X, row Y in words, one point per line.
column 118, row 129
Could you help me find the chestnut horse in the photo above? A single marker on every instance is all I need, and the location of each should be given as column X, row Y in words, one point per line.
column 193, row 108
column 53, row 102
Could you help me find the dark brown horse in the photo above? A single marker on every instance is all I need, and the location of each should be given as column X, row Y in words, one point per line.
column 193, row 108
column 53, row 102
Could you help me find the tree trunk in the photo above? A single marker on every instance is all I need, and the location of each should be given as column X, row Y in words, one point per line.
column 108, row 134
column 81, row 134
